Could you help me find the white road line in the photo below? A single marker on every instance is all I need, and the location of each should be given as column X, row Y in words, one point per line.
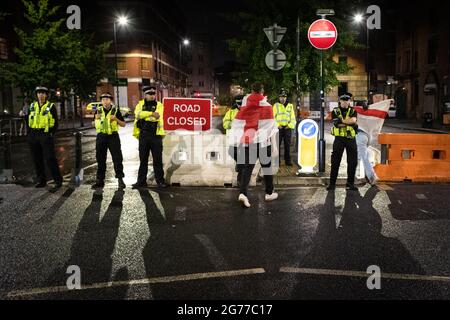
column 217, row 260
column 421, row 196
column 363, row 274
column 169, row 279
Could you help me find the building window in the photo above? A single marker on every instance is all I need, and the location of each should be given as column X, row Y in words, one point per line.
column 416, row 93
column 145, row 64
column 343, row 88
column 201, row 84
column 432, row 49
column 408, row 61
column 121, row 63
column 200, row 57
column 416, row 60
column 200, row 71
column 3, row 49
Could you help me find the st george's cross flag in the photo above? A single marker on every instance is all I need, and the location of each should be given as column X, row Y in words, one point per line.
column 371, row 120
column 254, row 123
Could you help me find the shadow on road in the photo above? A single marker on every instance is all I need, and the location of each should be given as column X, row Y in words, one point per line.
column 92, row 249
column 354, row 244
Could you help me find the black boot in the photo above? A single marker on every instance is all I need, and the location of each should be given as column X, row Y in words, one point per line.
column 139, row 185
column 98, row 184
column 41, row 184
column 351, row 187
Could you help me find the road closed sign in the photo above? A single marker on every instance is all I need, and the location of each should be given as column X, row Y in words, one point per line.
column 188, row 114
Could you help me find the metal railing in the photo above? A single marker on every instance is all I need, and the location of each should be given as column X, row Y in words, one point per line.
column 13, row 126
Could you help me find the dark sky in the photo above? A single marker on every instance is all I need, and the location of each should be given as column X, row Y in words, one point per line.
column 205, row 17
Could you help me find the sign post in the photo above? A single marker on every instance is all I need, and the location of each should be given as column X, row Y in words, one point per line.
column 308, row 131
column 322, row 35
column 187, row 114
column 275, row 59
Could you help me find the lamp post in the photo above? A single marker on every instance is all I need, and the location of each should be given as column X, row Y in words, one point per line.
column 184, row 42
column 122, row 21
column 359, row 18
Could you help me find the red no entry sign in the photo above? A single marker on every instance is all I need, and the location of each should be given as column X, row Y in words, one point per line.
column 322, row 34
column 187, row 114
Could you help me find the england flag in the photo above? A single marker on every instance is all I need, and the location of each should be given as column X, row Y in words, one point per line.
column 254, row 123
column 371, row 120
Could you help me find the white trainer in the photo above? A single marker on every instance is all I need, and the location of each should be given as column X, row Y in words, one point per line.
column 272, row 197
column 244, row 200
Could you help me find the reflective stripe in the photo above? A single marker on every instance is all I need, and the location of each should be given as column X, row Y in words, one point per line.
column 104, row 125
column 343, row 131
column 41, row 118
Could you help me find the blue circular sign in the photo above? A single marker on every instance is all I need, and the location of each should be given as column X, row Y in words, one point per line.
column 308, row 129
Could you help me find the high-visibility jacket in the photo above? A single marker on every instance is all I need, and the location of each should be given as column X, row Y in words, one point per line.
column 139, row 114
column 41, row 118
column 229, row 117
column 347, row 131
column 104, row 124
column 284, row 115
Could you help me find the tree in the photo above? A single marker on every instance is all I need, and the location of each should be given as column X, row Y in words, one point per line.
column 51, row 55
column 251, row 47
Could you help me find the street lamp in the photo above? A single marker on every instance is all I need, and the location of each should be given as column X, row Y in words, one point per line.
column 359, row 18
column 122, row 21
column 184, row 42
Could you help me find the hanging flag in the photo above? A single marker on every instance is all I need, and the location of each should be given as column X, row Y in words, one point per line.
column 371, row 120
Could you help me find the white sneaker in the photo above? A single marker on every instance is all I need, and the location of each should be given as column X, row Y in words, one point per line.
column 244, row 200
column 272, row 197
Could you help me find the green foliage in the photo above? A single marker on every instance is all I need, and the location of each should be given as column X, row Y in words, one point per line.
column 251, row 47
column 50, row 54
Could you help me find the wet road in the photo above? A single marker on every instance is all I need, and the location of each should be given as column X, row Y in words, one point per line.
column 199, row 243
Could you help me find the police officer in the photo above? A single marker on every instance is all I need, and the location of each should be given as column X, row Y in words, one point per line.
column 344, row 130
column 227, row 121
column 231, row 114
column 284, row 114
column 149, row 129
column 107, row 121
column 43, row 123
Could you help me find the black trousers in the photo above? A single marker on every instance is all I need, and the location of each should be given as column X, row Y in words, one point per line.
column 42, row 147
column 349, row 145
column 150, row 142
column 245, row 157
column 285, row 139
column 104, row 143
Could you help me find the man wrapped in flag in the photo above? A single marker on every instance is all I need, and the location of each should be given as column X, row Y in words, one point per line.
column 370, row 121
column 253, row 136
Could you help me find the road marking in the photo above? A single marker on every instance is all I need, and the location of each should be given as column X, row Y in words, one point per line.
column 217, row 260
column 363, row 274
column 421, row 196
column 157, row 280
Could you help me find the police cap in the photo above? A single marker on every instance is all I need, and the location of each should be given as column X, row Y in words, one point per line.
column 149, row 90
column 106, row 95
column 283, row 93
column 346, row 96
column 41, row 89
